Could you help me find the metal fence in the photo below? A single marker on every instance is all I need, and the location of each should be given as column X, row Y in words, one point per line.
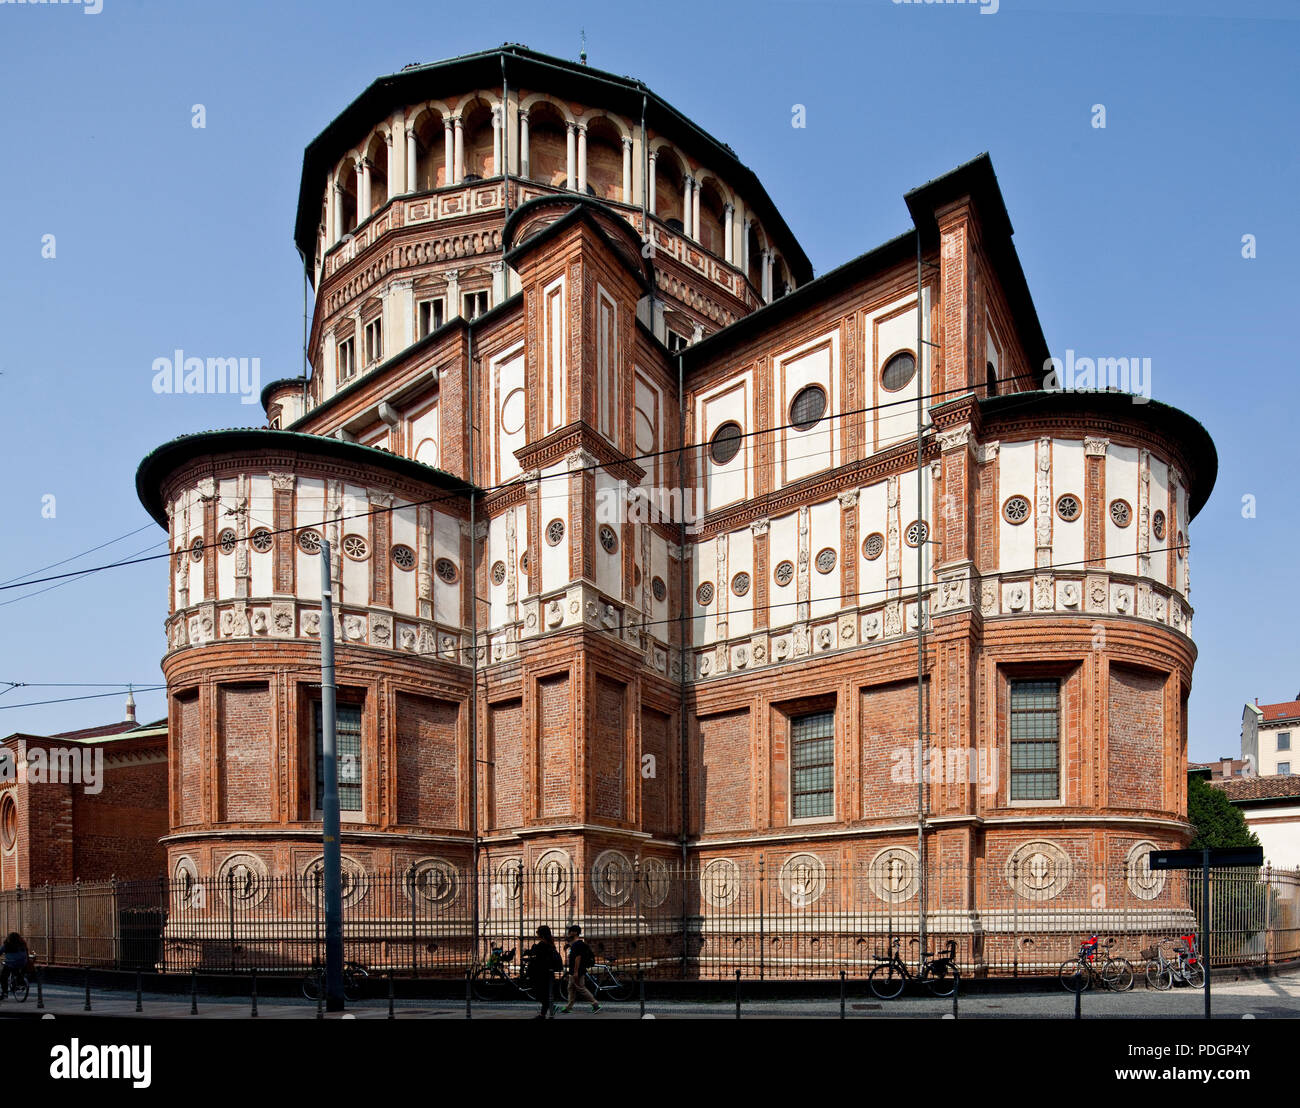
column 794, row 921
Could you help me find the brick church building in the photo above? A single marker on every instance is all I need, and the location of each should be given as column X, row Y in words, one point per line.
column 633, row 550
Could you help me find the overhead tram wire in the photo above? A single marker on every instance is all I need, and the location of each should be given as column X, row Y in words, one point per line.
column 71, row 699
column 520, row 480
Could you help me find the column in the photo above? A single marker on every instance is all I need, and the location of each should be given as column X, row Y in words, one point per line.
column 331, row 214
column 728, row 231
column 627, row 171
column 571, row 157
column 498, row 162
column 524, row 168
column 695, row 210
column 582, row 158
column 361, row 191
column 453, row 293
column 458, row 168
column 767, row 276
column 654, row 158
column 412, row 156
column 744, row 247
column 687, row 207
column 448, row 153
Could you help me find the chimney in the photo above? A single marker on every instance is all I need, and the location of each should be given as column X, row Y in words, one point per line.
column 130, row 706
column 1226, row 765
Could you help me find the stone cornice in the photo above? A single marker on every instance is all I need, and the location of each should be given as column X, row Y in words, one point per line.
column 553, row 448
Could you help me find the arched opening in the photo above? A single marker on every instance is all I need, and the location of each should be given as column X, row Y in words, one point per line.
column 377, row 156
column 604, row 160
column 430, row 152
column 348, row 202
column 711, row 233
column 755, row 271
column 476, row 127
column 548, row 159
column 780, row 278
column 990, row 380
column 669, row 180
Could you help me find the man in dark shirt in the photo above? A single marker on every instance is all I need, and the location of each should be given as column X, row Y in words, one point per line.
column 581, row 959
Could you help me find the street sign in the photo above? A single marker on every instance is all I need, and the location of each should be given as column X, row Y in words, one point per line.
column 1196, row 859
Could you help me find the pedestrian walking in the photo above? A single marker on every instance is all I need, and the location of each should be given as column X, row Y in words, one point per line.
column 581, row 959
column 543, row 962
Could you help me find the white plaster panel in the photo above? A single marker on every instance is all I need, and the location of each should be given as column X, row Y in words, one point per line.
column 422, row 435
column 806, row 452
column 405, row 533
column 907, row 513
column 1160, row 502
column 783, row 545
column 873, row 517
column 609, row 567
column 227, row 501
column 1121, row 483
column 446, row 544
column 553, row 503
column 824, row 531
column 309, row 512
column 704, row 561
column 730, row 402
column 261, row 564
column 740, row 559
column 1068, row 466
column 498, row 611
column 356, row 575
column 1016, row 477
column 510, row 403
column 887, row 334
column 554, row 355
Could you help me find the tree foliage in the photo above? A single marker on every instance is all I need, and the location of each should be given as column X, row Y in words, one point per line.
column 1218, row 822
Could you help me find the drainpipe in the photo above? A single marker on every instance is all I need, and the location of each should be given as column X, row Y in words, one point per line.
column 683, row 625
column 473, row 654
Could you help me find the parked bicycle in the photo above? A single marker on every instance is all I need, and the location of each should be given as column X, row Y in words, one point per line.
column 497, row 979
column 940, row 974
column 1079, row 973
column 354, row 974
column 601, row 981
column 1183, row 967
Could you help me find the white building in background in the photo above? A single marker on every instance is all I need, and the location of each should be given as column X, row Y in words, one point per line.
column 1269, row 733
column 1271, row 806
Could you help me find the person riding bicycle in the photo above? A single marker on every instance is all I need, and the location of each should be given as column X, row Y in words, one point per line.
column 581, row 959
column 16, row 959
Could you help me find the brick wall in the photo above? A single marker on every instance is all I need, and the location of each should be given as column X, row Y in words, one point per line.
column 188, row 744
column 722, row 798
column 244, row 722
column 608, row 750
column 117, row 829
column 555, row 742
column 656, row 790
column 1136, row 746
column 427, row 762
column 506, row 721
column 887, row 739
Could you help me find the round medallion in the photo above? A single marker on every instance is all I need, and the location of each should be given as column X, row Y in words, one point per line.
column 431, row 880
column 227, row 539
column 825, row 560
column 8, row 823
column 262, row 540
column 1158, row 524
column 898, row 371
column 917, row 532
column 353, row 886
column 873, row 546
column 356, row 548
column 725, row 443
column 808, row 407
column 802, row 879
column 740, row 584
column 1015, row 510
column 659, row 589
column 403, row 557
column 309, row 541
column 784, row 573
column 893, row 875
column 555, row 877
column 611, row 878
column 704, row 594
column 187, row 893
column 513, row 410
column 1038, row 870
column 508, row 882
column 196, row 550
column 498, row 573
column 446, row 570
column 555, row 532
column 523, row 562
column 720, row 882
column 608, row 538
column 655, row 882
column 1121, row 513
column 1144, row 882
column 1068, row 507
column 242, row 878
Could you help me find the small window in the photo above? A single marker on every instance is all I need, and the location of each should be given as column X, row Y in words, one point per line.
column 347, row 359
column 476, row 304
column 990, row 380
column 808, row 407
column 725, row 443
column 347, row 731
column 429, row 316
column 812, row 762
column 677, row 342
column 898, row 371
column 1035, row 736
column 374, row 341
column 1284, row 769
column 1284, row 740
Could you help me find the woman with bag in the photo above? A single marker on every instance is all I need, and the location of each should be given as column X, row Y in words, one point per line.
column 543, row 962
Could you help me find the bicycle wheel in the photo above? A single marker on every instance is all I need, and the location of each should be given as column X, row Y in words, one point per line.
column 1074, row 976
column 487, row 985
column 619, row 988
column 1194, row 974
column 1117, row 975
column 886, row 981
column 942, row 980
column 18, row 988
column 313, row 985
column 1159, row 976
column 354, row 981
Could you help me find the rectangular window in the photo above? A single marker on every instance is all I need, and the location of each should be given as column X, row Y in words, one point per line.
column 476, row 304
column 347, row 361
column 430, row 316
column 1284, row 740
column 1284, row 768
column 347, row 732
column 1035, row 740
column 812, row 759
column 374, row 341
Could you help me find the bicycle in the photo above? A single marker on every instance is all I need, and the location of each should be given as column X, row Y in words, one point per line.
column 601, row 980
column 1187, row 966
column 1078, row 973
column 354, row 975
column 1159, row 969
column 492, row 980
column 18, row 985
column 940, row 974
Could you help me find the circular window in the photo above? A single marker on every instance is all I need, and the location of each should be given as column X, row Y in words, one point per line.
column 898, row 371
column 917, row 532
column 704, row 594
column 8, row 823
column 498, row 573
column 309, row 541
column 659, row 589
column 740, row 584
column 262, row 540
column 873, row 546
column 555, row 532
column 1158, row 524
column 227, row 539
column 608, row 538
column 784, row 573
column 196, row 550
column 808, row 407
column 725, row 443
column 445, row 568
column 403, row 557
column 523, row 562
column 825, row 560
column 1121, row 513
column 1015, row 510
column 356, row 547
column 1068, row 507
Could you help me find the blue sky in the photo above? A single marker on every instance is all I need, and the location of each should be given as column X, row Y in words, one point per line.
column 167, row 237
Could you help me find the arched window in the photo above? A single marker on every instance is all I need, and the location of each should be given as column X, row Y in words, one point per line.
column 990, row 380
column 547, row 145
column 476, row 129
column 711, row 233
column 377, row 156
column 604, row 160
column 430, row 152
column 669, row 181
